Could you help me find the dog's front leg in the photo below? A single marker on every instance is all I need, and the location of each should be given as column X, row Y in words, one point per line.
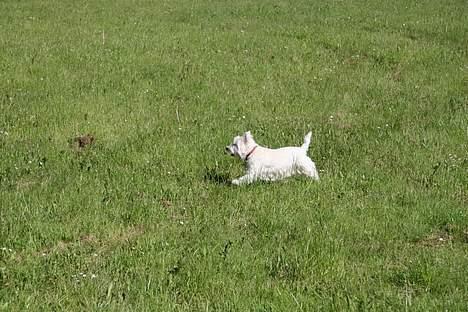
column 247, row 179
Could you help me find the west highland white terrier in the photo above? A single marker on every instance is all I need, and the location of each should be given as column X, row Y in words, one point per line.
column 271, row 164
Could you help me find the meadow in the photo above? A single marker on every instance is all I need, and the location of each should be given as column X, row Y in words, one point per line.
column 114, row 184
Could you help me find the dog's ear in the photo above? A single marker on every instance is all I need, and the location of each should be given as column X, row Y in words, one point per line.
column 247, row 136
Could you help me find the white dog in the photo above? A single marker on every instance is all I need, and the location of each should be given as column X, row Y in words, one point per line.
column 271, row 164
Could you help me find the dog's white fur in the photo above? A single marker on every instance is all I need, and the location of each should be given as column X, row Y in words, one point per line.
column 271, row 164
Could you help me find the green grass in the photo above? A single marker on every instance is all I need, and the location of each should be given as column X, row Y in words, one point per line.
column 143, row 219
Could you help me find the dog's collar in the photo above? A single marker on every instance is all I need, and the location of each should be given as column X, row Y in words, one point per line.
column 250, row 153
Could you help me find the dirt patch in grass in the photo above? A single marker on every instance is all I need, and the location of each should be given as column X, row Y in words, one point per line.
column 341, row 120
column 127, row 235
column 445, row 236
column 436, row 239
column 81, row 142
column 25, row 184
column 117, row 238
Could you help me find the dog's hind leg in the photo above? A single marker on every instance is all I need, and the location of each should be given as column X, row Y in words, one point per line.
column 307, row 167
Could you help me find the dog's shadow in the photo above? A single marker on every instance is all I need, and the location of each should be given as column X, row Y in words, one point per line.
column 213, row 176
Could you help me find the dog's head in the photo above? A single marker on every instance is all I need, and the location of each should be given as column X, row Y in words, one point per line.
column 241, row 146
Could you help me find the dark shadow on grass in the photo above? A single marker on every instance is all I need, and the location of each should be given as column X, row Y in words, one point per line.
column 212, row 176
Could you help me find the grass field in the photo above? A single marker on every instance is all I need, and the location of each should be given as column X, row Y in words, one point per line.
column 144, row 217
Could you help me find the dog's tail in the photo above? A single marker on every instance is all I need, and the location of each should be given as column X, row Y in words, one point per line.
column 306, row 144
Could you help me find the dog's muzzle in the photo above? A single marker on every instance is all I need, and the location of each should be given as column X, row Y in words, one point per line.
column 228, row 150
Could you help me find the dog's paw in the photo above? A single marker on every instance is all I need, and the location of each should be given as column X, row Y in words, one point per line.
column 235, row 182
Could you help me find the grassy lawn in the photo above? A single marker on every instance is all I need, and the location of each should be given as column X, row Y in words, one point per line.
column 144, row 217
